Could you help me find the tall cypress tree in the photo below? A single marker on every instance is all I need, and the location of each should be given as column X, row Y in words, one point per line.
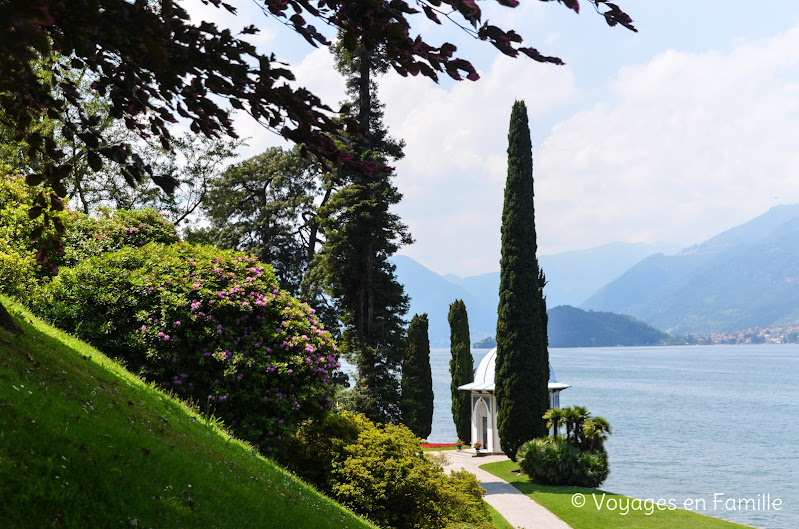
column 522, row 365
column 417, row 380
column 461, row 367
column 361, row 233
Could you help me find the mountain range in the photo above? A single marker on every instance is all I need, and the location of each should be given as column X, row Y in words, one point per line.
column 571, row 278
column 745, row 277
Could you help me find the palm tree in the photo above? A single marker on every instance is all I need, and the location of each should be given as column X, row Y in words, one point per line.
column 554, row 416
column 596, row 429
column 569, row 417
column 582, row 415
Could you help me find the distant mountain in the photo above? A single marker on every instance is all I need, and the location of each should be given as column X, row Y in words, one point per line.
column 571, row 278
column 432, row 294
column 746, row 277
column 572, row 327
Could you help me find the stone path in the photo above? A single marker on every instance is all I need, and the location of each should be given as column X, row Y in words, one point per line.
column 519, row 510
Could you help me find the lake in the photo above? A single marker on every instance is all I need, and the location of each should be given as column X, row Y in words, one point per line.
column 690, row 423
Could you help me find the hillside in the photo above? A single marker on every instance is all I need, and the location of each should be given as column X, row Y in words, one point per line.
column 572, row 327
column 743, row 278
column 83, row 443
column 571, row 278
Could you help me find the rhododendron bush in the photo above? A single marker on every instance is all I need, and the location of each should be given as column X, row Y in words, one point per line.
column 210, row 325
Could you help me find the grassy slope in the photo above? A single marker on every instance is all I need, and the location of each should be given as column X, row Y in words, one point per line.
column 558, row 500
column 83, row 443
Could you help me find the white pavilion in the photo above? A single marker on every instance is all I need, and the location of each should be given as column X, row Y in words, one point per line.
column 484, row 403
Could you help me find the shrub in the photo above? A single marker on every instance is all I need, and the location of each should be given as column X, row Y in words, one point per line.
column 382, row 473
column 112, row 230
column 316, row 444
column 558, row 462
column 85, row 236
column 19, row 272
column 208, row 324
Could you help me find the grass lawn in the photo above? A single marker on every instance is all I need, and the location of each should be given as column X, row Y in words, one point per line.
column 84, row 443
column 559, row 501
column 439, row 448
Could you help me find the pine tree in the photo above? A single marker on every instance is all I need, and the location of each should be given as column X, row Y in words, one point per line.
column 360, row 235
column 461, row 367
column 522, row 364
column 417, row 380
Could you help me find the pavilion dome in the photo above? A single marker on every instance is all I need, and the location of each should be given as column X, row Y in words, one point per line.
column 484, row 375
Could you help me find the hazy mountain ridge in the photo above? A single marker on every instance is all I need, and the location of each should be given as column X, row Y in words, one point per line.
column 573, row 275
column 745, row 277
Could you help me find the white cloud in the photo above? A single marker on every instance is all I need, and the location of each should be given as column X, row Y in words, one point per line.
column 680, row 148
column 692, row 145
column 675, row 149
column 453, row 174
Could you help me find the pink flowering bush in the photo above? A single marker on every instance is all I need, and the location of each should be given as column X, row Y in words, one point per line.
column 210, row 325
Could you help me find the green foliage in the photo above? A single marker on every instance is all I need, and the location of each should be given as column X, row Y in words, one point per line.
column 382, row 473
column 316, row 444
column 266, row 207
column 461, row 368
column 20, row 265
column 361, row 234
column 210, row 325
column 112, row 230
column 558, row 500
column 522, row 365
column 386, row 477
column 19, row 270
column 549, row 461
column 577, row 459
column 191, row 164
column 417, row 380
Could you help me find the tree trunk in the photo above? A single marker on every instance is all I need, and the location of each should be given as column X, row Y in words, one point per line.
column 7, row 322
column 365, row 94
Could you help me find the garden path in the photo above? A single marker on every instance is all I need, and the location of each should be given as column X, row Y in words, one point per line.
column 519, row 510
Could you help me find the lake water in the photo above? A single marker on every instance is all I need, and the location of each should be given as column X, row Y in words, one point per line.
column 689, row 422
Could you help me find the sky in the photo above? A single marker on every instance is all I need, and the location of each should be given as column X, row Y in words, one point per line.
column 666, row 136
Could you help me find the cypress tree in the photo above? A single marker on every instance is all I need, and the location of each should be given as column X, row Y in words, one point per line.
column 461, row 367
column 417, row 380
column 522, row 365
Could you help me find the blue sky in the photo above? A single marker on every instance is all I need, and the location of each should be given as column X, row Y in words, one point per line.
column 668, row 135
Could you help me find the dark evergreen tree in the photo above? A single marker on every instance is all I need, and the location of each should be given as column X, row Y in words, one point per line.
column 417, row 380
column 522, row 368
column 360, row 235
column 266, row 206
column 461, row 367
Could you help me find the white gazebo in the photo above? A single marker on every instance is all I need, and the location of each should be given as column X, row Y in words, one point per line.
column 484, row 404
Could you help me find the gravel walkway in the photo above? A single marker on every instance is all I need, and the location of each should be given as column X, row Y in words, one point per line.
column 519, row 510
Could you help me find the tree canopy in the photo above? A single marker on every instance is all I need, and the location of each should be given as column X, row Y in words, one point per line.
column 155, row 65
